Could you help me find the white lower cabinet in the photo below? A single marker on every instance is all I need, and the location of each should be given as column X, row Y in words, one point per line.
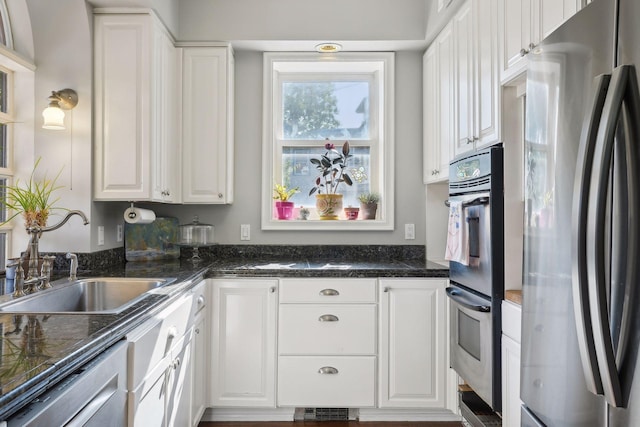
column 326, row 381
column 412, row 359
column 511, row 320
column 327, row 343
column 162, row 386
column 243, row 343
column 199, row 363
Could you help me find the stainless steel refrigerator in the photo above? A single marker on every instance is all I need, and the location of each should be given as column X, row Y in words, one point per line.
column 581, row 296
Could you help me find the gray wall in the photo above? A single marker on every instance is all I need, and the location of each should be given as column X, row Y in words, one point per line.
column 63, row 55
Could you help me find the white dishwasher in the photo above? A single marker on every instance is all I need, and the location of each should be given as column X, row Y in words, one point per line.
column 94, row 395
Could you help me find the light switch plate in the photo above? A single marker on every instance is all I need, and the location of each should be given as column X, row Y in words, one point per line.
column 409, row 231
column 100, row 235
column 119, row 233
column 245, row 232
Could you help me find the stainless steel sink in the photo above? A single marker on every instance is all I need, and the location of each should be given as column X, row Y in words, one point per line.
column 96, row 295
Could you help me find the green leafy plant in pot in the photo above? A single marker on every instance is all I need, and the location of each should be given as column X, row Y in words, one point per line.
column 369, row 205
column 284, row 208
column 332, row 172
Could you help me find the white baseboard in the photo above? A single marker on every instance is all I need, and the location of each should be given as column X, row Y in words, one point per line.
column 407, row 415
column 248, row 414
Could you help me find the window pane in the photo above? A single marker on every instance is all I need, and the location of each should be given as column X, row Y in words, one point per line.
column 4, row 163
column 319, row 110
column 3, row 92
column 3, row 250
column 3, row 197
column 298, row 171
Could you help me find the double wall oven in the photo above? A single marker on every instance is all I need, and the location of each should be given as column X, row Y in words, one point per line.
column 476, row 290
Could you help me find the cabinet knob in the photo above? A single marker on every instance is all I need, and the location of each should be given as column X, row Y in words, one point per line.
column 386, row 289
column 328, row 318
column 524, row 52
column 197, row 331
column 475, row 138
column 329, row 292
column 220, row 195
column 172, row 332
column 272, row 289
column 200, row 301
column 469, row 140
column 176, row 363
column 327, row 370
column 436, row 172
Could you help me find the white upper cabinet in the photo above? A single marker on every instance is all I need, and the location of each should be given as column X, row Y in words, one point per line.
column 207, row 129
column 523, row 24
column 136, row 128
column 477, row 99
column 438, row 97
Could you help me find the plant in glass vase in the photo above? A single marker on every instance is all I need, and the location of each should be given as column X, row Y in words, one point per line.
column 32, row 200
column 332, row 172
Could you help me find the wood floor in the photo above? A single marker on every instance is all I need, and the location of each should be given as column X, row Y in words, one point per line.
column 329, row 424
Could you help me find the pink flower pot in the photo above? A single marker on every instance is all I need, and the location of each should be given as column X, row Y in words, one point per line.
column 284, row 210
column 351, row 213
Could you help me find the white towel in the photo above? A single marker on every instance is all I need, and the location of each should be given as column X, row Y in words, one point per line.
column 457, row 235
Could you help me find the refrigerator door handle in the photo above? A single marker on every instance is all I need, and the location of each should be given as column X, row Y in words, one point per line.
column 579, row 229
column 596, row 237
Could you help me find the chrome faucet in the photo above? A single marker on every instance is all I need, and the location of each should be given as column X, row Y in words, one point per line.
column 35, row 232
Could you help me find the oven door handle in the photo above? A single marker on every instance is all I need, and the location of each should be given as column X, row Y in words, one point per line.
column 471, row 303
column 475, row 202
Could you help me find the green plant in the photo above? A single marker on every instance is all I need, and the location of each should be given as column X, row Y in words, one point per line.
column 283, row 194
column 331, row 166
column 33, row 200
column 368, row 198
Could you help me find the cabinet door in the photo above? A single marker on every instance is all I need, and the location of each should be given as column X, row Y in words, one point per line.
column 412, row 362
column 179, row 396
column 487, row 84
column 465, row 77
column 165, row 149
column 430, row 92
column 553, row 13
column 446, row 100
column 243, row 347
column 515, row 33
column 207, row 130
column 199, row 371
column 510, row 382
column 122, row 90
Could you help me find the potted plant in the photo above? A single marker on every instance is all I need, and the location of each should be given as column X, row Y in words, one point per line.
column 284, row 208
column 369, row 204
column 331, row 168
column 32, row 200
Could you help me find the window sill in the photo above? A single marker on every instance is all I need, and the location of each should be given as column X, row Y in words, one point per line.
column 319, row 225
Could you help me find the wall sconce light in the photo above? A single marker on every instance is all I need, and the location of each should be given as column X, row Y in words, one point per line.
column 53, row 115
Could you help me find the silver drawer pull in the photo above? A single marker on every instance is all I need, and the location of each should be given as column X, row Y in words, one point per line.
column 327, row 370
column 328, row 318
column 329, row 292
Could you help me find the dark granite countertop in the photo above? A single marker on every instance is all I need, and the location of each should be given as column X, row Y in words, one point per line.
column 38, row 350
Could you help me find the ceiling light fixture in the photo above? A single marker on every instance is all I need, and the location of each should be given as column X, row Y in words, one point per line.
column 53, row 115
column 328, row 47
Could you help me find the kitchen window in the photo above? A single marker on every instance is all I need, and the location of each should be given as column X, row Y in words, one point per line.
column 6, row 127
column 315, row 99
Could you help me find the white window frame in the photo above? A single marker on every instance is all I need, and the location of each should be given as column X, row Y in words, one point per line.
column 381, row 141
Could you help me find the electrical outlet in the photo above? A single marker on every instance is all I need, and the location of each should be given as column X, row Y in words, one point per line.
column 119, row 233
column 100, row 235
column 245, row 232
column 409, row 231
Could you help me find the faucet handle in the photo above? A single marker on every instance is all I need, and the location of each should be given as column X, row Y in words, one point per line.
column 45, row 273
column 18, row 284
column 73, row 268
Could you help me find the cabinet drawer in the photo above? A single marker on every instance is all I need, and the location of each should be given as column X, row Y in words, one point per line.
column 511, row 320
column 151, row 342
column 352, row 383
column 314, row 329
column 328, row 290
